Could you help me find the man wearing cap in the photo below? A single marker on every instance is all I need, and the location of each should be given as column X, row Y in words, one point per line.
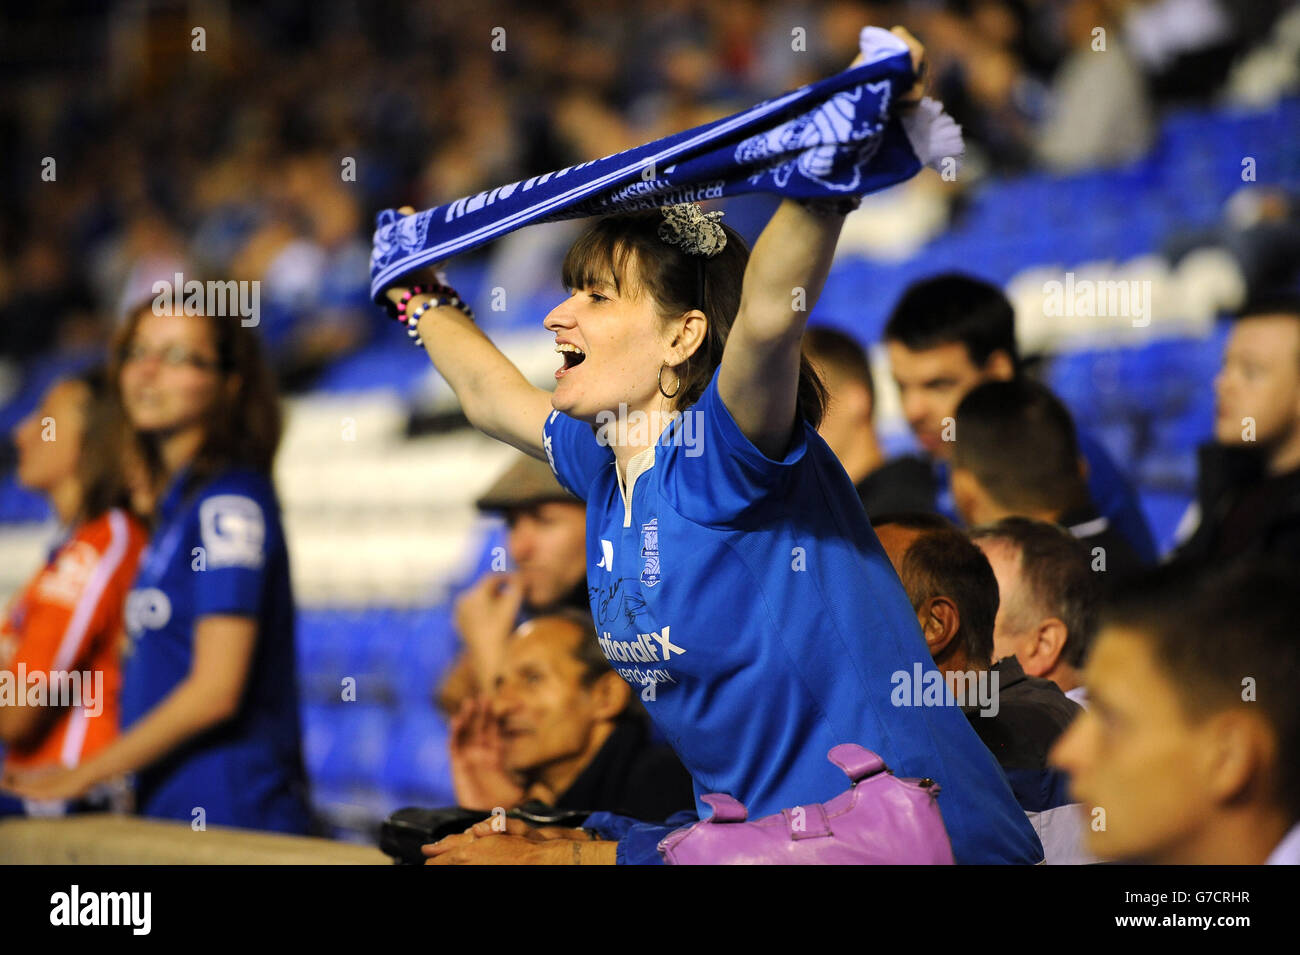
column 546, row 542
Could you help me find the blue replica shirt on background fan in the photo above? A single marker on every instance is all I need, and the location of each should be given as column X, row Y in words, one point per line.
column 750, row 603
column 247, row 771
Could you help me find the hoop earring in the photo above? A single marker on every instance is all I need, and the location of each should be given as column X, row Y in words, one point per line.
column 661, row 383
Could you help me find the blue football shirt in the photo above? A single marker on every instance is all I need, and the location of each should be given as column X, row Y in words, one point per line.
column 751, row 605
column 219, row 549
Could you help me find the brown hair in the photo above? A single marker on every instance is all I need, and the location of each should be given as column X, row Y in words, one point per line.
column 835, row 351
column 673, row 281
column 591, row 658
column 243, row 425
column 1019, row 442
column 100, row 472
column 1209, row 629
column 945, row 563
column 1058, row 575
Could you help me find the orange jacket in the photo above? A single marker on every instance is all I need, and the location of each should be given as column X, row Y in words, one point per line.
column 69, row 618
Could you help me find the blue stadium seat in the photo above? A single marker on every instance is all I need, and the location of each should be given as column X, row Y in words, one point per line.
column 416, row 766
column 352, row 743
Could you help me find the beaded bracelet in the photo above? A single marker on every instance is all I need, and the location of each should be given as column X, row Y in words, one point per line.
column 445, row 295
column 396, row 311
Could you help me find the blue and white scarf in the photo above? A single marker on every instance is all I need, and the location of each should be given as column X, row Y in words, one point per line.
column 830, row 139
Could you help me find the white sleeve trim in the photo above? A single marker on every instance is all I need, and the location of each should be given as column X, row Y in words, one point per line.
column 104, row 571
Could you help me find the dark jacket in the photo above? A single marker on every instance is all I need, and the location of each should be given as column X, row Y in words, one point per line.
column 1244, row 511
column 632, row 776
column 901, row 485
column 1032, row 714
column 1093, row 530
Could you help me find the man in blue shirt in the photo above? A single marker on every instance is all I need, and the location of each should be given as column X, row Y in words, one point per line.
column 952, row 332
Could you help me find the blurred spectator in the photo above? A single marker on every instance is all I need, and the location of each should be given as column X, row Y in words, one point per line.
column 546, row 539
column 1272, row 68
column 1190, row 745
column 209, row 687
column 903, row 484
column 1047, row 613
column 1016, row 455
column 1248, row 489
column 39, row 296
column 1018, row 717
column 1260, row 229
column 274, row 161
column 1099, row 112
column 562, row 727
column 1184, row 46
column 952, row 332
column 68, row 620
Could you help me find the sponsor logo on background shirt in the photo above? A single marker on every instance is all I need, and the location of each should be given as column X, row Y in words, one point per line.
column 233, row 531
column 64, row 583
column 146, row 609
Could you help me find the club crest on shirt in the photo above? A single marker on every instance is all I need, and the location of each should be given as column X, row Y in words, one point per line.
column 650, row 552
column 233, row 531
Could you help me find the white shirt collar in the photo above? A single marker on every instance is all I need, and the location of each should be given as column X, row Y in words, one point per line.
column 1288, row 850
column 637, row 465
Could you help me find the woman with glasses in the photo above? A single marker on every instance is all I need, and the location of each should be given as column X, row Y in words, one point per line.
column 209, row 696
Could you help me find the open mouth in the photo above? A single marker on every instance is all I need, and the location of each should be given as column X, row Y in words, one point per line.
column 573, row 357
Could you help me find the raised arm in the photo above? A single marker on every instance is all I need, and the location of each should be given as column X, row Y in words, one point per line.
column 497, row 399
column 759, row 378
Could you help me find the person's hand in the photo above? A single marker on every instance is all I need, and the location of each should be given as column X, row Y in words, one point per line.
column 919, row 66
column 424, row 276
column 519, row 844
column 485, row 616
column 503, row 850
column 478, row 772
column 47, row 783
column 517, row 827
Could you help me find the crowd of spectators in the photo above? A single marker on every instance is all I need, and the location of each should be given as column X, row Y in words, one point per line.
column 260, row 149
column 1011, row 531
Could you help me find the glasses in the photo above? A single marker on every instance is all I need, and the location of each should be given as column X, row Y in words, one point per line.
column 173, row 356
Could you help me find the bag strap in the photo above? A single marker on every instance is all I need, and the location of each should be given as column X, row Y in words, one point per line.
column 858, row 762
column 725, row 808
column 807, row 822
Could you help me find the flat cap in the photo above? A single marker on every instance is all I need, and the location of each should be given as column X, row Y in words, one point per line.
column 526, row 482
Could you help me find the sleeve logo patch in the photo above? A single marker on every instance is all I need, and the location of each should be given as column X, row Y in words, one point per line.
column 233, row 530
